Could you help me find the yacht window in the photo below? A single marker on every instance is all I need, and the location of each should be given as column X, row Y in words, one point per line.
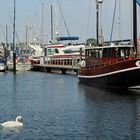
column 124, row 52
column 94, row 53
column 51, row 51
column 56, row 51
column 68, row 51
column 109, row 52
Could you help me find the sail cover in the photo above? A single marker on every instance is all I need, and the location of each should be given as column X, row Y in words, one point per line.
column 67, row 38
column 138, row 2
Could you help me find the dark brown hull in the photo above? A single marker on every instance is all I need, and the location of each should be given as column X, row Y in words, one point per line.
column 123, row 75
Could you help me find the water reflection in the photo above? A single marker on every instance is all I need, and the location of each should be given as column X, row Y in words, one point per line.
column 14, row 104
column 117, row 113
column 16, row 130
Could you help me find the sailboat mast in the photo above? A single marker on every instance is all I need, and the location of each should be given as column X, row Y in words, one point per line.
column 97, row 22
column 26, row 37
column 14, row 46
column 42, row 23
column 52, row 38
column 135, row 24
column 5, row 48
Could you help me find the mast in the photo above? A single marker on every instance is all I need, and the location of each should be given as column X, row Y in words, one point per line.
column 26, row 37
column 135, row 24
column 52, row 23
column 5, row 48
column 14, row 46
column 42, row 23
column 97, row 20
column 113, row 20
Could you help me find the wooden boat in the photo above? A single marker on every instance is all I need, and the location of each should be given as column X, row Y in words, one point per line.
column 114, row 65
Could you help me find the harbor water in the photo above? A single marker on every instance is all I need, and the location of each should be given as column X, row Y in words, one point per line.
column 57, row 107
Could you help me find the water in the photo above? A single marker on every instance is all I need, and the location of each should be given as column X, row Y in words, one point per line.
column 57, row 107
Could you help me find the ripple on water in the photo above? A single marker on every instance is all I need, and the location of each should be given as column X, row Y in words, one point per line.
column 56, row 107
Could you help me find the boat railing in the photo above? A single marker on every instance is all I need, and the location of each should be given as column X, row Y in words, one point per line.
column 64, row 61
column 104, row 62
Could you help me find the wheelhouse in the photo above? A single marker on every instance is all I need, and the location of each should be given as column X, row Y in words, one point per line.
column 108, row 54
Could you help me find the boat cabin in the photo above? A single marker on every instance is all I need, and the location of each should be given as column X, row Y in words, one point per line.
column 60, row 54
column 108, row 54
column 58, row 50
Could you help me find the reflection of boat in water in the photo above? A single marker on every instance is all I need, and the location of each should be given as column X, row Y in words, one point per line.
column 112, row 66
column 105, row 112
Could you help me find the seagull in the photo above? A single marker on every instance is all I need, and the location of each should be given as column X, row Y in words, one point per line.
column 13, row 124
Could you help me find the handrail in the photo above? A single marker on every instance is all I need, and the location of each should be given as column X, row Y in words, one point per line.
column 106, row 63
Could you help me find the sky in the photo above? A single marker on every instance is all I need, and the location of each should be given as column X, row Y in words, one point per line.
column 79, row 16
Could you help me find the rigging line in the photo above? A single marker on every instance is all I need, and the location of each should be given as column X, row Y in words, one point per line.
column 113, row 20
column 34, row 34
column 16, row 32
column 112, row 27
column 119, row 32
column 63, row 18
column 3, row 32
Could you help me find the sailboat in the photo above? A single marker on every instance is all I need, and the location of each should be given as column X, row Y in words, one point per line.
column 17, row 63
column 115, row 65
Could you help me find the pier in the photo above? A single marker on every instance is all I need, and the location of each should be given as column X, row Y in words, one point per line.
column 51, row 68
column 58, row 64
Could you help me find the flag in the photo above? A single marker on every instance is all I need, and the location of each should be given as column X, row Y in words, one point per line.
column 138, row 2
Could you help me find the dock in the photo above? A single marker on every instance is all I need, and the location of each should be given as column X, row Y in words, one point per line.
column 51, row 68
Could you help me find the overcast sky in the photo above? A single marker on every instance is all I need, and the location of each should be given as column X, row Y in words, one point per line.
column 79, row 16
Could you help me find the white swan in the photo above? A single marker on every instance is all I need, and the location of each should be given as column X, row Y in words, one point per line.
column 13, row 124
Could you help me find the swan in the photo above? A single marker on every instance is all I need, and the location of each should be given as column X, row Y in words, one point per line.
column 13, row 124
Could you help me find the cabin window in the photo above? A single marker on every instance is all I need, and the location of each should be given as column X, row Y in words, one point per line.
column 94, row 54
column 52, row 51
column 49, row 51
column 124, row 52
column 109, row 53
column 56, row 51
column 68, row 51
